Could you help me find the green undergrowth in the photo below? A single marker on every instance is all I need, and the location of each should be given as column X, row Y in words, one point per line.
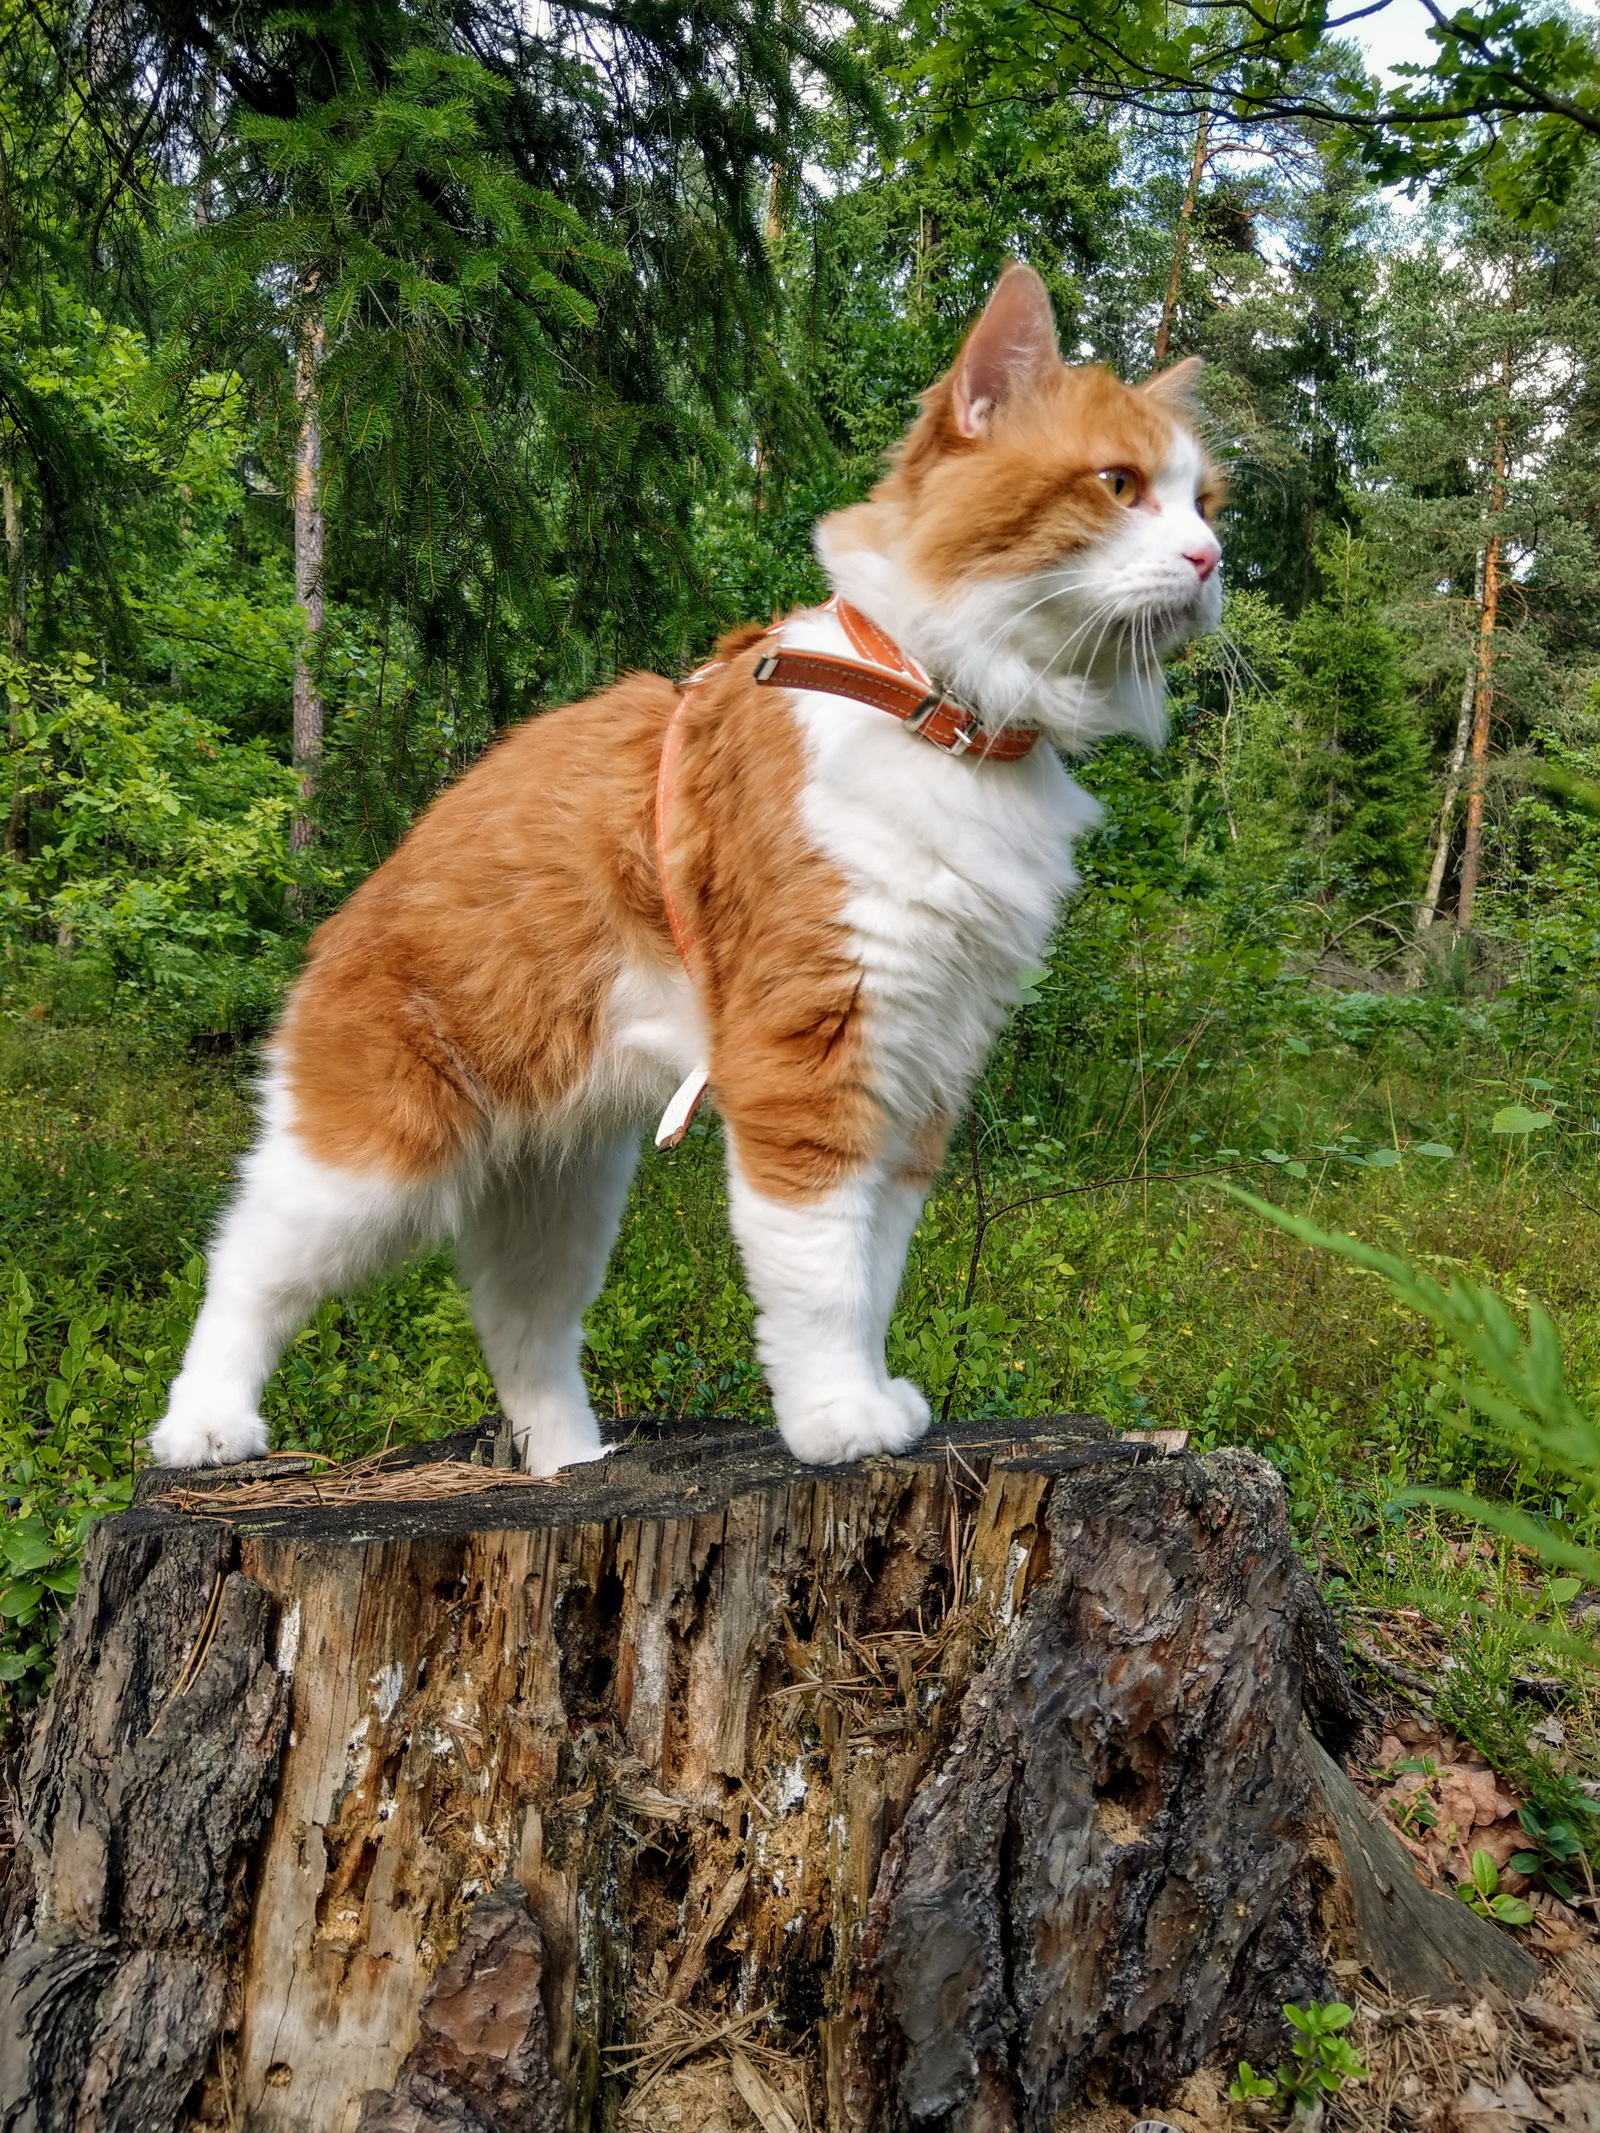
column 1458, row 1132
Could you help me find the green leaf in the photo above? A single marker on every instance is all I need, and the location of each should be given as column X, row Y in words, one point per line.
column 1511, row 1910
column 1383, row 1159
column 19, row 1600
column 12, row 1666
column 24, row 1553
column 1517, row 1118
column 1435, row 1148
column 1247, row 2084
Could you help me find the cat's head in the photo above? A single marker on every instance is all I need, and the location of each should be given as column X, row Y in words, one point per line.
column 1044, row 536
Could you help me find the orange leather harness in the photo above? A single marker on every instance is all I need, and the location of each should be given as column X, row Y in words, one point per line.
column 884, row 677
column 891, row 682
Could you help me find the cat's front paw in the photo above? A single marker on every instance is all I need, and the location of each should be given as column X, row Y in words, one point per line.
column 831, row 1429
column 208, row 1438
column 912, row 1405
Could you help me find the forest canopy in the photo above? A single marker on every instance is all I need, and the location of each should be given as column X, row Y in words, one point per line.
column 374, row 376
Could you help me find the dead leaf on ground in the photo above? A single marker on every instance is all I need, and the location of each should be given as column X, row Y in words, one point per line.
column 1481, row 2109
column 1577, row 2105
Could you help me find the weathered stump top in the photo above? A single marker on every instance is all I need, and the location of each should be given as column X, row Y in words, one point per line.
column 660, row 1469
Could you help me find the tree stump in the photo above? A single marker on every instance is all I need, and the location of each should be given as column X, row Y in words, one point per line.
column 969, row 1781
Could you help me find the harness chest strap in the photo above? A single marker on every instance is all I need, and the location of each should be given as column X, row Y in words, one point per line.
column 884, row 677
column 686, row 1097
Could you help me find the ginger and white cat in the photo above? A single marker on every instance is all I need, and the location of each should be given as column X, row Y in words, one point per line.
column 485, row 1028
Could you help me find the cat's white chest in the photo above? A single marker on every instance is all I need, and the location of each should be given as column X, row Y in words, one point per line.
column 956, row 868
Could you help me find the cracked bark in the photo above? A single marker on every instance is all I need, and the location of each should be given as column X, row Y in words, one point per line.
column 979, row 1768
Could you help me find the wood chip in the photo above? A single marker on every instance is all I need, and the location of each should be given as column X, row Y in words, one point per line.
column 1562, row 2021
column 687, row 1974
column 766, row 2106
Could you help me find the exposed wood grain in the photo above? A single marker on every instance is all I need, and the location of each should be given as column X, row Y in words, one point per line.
column 482, row 2061
column 1420, row 1944
column 1012, row 1718
column 1105, row 1880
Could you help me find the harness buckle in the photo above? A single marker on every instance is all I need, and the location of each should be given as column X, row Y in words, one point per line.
column 924, row 711
column 765, row 667
column 968, row 731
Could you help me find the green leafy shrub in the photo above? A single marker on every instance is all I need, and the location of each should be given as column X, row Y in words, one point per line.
column 1482, row 1893
column 1323, row 2060
column 153, row 853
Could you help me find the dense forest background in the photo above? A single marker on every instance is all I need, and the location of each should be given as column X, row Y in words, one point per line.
column 376, row 375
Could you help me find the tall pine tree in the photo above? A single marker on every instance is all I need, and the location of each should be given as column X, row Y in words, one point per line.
column 532, row 244
column 1364, row 789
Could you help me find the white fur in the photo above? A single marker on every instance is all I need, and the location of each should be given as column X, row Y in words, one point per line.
column 1075, row 650
column 534, row 1218
column 956, row 868
column 297, row 1232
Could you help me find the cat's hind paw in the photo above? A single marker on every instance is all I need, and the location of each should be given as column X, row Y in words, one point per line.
column 831, row 1429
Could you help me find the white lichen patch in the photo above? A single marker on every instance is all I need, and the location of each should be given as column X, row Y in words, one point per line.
column 386, row 1685
column 288, row 1638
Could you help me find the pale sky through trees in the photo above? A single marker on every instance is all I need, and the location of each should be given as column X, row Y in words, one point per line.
column 1399, row 35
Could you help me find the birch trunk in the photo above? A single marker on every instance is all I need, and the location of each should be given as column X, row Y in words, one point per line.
column 16, row 560
column 1427, row 910
column 16, row 827
column 1472, row 837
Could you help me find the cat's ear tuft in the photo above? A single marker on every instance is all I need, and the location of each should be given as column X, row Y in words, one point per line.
column 1011, row 350
column 1175, row 387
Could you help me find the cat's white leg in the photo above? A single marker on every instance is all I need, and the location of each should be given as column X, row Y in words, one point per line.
column 533, row 1254
column 899, row 1208
column 818, row 1272
column 298, row 1231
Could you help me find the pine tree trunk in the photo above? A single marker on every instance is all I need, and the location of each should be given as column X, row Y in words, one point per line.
column 308, row 546
column 1428, row 909
column 16, row 828
column 16, row 559
column 1191, row 193
column 1472, row 837
column 939, row 1793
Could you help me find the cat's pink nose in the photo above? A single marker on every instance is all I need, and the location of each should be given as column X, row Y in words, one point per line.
column 1205, row 561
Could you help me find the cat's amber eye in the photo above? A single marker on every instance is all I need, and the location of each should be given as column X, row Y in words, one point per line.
column 1122, row 482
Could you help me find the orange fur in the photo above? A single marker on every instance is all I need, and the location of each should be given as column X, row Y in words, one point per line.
column 468, row 978
column 466, row 982
column 1026, row 492
column 469, row 974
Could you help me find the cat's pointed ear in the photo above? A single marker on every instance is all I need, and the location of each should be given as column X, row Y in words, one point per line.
column 1011, row 349
column 1175, row 387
